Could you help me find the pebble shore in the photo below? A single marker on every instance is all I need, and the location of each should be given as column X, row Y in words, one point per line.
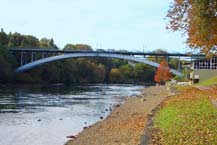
column 125, row 125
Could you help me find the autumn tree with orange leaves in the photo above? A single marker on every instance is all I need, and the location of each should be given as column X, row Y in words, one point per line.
column 163, row 73
column 197, row 19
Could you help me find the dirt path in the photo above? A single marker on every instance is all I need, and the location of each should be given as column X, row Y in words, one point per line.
column 125, row 125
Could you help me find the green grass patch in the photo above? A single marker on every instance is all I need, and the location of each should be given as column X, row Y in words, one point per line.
column 209, row 82
column 188, row 122
column 181, row 87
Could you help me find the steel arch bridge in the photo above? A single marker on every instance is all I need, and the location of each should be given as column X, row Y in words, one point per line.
column 41, row 61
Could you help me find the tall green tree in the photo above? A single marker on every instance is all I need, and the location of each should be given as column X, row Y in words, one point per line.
column 7, row 66
column 3, row 38
column 15, row 40
column 29, row 41
column 47, row 43
column 115, row 76
column 69, row 47
column 99, row 73
column 69, row 72
column 143, row 73
column 127, row 73
column 78, row 47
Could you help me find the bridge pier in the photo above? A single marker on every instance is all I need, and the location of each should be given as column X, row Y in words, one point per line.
column 32, row 57
column 25, row 58
column 167, row 59
column 21, row 58
column 156, row 58
column 179, row 64
column 42, row 55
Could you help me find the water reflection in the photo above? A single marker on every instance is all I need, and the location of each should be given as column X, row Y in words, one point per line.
column 38, row 111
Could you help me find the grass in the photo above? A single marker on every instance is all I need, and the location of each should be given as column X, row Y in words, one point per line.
column 181, row 87
column 209, row 82
column 187, row 119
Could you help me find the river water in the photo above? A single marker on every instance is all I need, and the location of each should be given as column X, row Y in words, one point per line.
column 45, row 115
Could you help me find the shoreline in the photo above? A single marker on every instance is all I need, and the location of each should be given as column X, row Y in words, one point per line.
column 47, row 120
column 126, row 123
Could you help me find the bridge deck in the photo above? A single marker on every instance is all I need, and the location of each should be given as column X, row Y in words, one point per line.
column 39, row 50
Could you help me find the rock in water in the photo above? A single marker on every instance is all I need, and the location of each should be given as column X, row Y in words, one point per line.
column 143, row 100
column 118, row 105
column 72, row 136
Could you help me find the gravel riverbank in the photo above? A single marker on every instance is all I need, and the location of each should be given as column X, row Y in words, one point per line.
column 126, row 123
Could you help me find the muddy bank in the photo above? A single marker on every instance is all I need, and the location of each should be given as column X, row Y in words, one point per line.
column 125, row 125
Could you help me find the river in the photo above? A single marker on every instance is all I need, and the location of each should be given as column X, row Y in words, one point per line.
column 46, row 115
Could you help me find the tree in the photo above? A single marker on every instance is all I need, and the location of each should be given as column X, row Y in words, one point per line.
column 127, row 72
column 29, row 41
column 69, row 72
column 163, row 73
column 197, row 19
column 47, row 43
column 15, row 40
column 7, row 65
column 78, row 47
column 115, row 76
column 83, row 47
column 99, row 73
column 3, row 38
column 118, row 63
column 51, row 73
column 174, row 63
column 69, row 47
column 143, row 73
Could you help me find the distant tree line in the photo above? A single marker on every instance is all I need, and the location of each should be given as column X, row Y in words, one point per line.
column 69, row 71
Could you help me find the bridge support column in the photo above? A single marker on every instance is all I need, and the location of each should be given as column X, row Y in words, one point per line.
column 167, row 59
column 179, row 64
column 32, row 57
column 42, row 55
column 155, row 58
column 21, row 58
column 25, row 58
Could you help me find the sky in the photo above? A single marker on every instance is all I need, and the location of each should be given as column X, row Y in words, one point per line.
column 133, row 25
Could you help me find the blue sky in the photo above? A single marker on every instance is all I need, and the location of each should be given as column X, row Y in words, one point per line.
column 109, row 24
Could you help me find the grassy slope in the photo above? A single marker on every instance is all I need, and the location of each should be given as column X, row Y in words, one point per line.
column 187, row 119
column 209, row 82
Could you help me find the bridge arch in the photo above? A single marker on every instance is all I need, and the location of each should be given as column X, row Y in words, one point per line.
column 39, row 62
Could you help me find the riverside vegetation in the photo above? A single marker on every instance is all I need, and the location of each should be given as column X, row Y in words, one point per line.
column 71, row 71
column 191, row 116
column 80, row 70
column 188, row 118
